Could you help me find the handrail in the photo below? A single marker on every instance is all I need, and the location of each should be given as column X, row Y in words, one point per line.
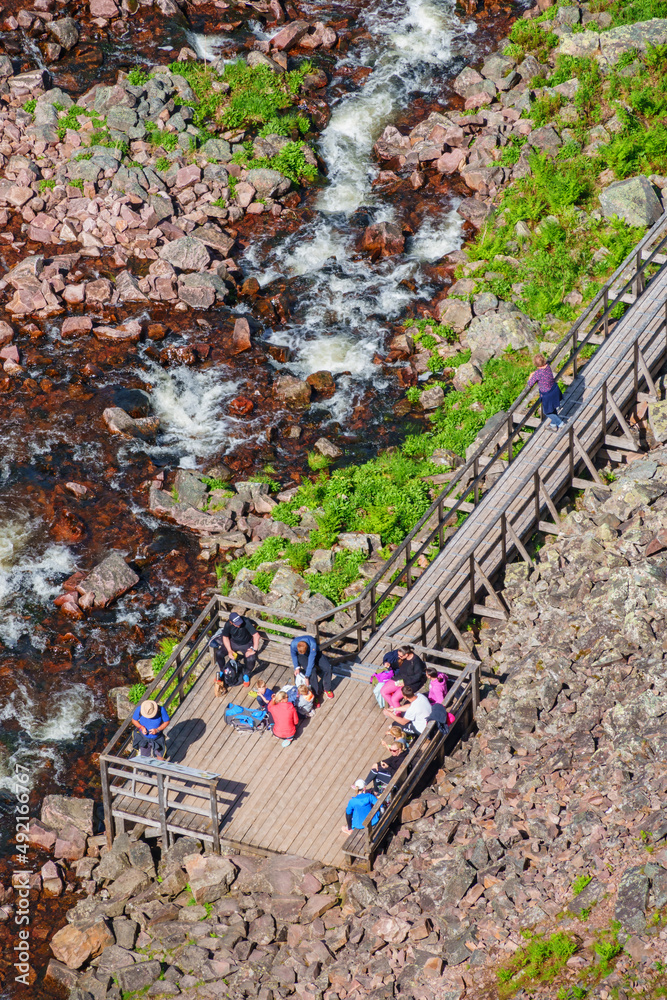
column 473, row 463
column 458, row 566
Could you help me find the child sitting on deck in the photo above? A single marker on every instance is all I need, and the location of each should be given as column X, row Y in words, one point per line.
column 264, row 694
column 305, row 706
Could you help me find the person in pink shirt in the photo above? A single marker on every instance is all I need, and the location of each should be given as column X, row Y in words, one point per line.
column 550, row 394
column 437, row 688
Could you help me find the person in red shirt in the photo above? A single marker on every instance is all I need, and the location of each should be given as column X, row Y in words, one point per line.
column 285, row 718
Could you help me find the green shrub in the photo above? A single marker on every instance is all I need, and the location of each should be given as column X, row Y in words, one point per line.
column 136, row 693
column 580, row 883
column 528, row 36
column 162, row 163
column 263, row 580
column 78, row 183
column 137, row 77
column 166, row 647
column 46, row 185
column 413, row 394
column 539, row 961
column 30, row 106
column 318, row 462
column 345, row 572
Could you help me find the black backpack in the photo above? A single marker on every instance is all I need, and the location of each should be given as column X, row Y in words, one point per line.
column 228, row 670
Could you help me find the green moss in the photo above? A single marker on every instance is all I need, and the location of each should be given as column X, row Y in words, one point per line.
column 46, row 185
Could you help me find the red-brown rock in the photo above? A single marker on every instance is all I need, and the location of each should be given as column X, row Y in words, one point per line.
column 322, row 383
column 241, row 337
column 241, row 407
column 74, row 326
column 290, row 36
column 386, row 237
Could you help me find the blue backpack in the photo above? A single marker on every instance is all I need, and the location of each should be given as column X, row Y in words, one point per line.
column 249, row 720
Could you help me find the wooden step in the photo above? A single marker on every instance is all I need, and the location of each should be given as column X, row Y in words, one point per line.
column 356, row 845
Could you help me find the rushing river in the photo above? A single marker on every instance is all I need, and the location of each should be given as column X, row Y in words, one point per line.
column 54, row 674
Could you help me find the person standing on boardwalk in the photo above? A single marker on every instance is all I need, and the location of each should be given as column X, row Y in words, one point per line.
column 550, row 394
column 150, row 720
column 308, row 659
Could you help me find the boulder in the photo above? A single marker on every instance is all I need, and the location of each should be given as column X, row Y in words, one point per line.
column 241, row 339
column 632, row 899
column 467, row 79
column 187, row 254
column 41, row 836
column 120, row 422
column 71, row 844
column 200, row 290
column 431, row 399
column 73, row 945
column 322, row 383
column 292, row 392
column 357, row 541
column 74, row 326
column 466, row 374
column 287, row 583
column 128, row 332
column 127, row 288
column 110, row 578
column 52, row 883
column 120, row 701
column 386, row 237
column 268, row 182
column 59, row 811
column 455, row 313
column 65, row 32
column 289, row 36
column 501, row 332
column 633, row 200
column 140, row 976
column 322, row 561
column 328, row 448
column 210, row 876
column 657, row 417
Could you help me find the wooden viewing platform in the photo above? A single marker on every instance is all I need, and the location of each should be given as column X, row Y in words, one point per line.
column 248, row 792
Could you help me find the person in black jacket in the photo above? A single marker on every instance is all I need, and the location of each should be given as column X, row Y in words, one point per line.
column 385, row 770
column 409, row 671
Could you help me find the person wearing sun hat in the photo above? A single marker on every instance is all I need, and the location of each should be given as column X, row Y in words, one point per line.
column 150, row 720
column 359, row 807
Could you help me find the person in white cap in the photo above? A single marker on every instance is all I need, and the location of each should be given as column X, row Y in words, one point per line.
column 150, row 720
column 359, row 807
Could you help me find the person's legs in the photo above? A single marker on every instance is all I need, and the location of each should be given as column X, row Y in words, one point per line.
column 324, row 667
column 249, row 657
column 392, row 694
column 556, row 421
column 314, row 682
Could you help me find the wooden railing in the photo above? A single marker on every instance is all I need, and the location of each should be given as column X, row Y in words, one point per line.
column 462, row 701
column 156, row 793
column 464, row 492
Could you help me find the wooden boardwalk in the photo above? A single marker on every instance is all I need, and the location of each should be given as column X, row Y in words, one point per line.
column 274, row 799
column 483, row 537
column 265, row 798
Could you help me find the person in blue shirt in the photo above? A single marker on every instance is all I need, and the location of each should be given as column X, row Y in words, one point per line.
column 309, row 660
column 359, row 807
column 150, row 720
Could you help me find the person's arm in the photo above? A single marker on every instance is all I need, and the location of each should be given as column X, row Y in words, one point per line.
column 292, row 648
column 255, row 635
column 312, row 653
column 136, row 715
column 532, row 380
column 228, row 646
column 163, row 725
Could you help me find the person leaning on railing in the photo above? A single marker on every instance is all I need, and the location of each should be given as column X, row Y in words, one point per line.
column 384, row 770
column 550, row 394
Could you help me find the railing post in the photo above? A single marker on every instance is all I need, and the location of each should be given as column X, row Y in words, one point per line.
column 357, row 610
column 408, row 568
column 106, row 799
column 471, row 578
column 374, row 612
column 438, row 633
column 163, row 812
column 638, row 275
column 574, row 353
column 215, row 823
column 605, row 303
column 635, row 369
column 441, row 525
column 475, row 474
column 603, row 410
column 571, row 456
column 503, row 536
column 536, row 491
column 423, row 627
column 510, row 431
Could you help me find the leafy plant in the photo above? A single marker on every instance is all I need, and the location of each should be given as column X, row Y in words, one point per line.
column 30, row 105
column 318, row 462
column 78, row 183
column 162, row 163
column 166, row 648
column 46, row 185
column 137, row 77
column 136, row 693
column 540, row 961
column 580, row 883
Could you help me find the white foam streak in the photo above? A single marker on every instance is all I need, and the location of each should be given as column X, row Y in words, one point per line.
column 189, row 403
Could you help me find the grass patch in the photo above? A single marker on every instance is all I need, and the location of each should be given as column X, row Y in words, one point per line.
column 580, row 883
column 46, row 185
column 136, row 693
column 540, row 961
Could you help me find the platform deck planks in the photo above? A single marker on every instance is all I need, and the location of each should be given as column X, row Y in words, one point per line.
column 274, row 799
